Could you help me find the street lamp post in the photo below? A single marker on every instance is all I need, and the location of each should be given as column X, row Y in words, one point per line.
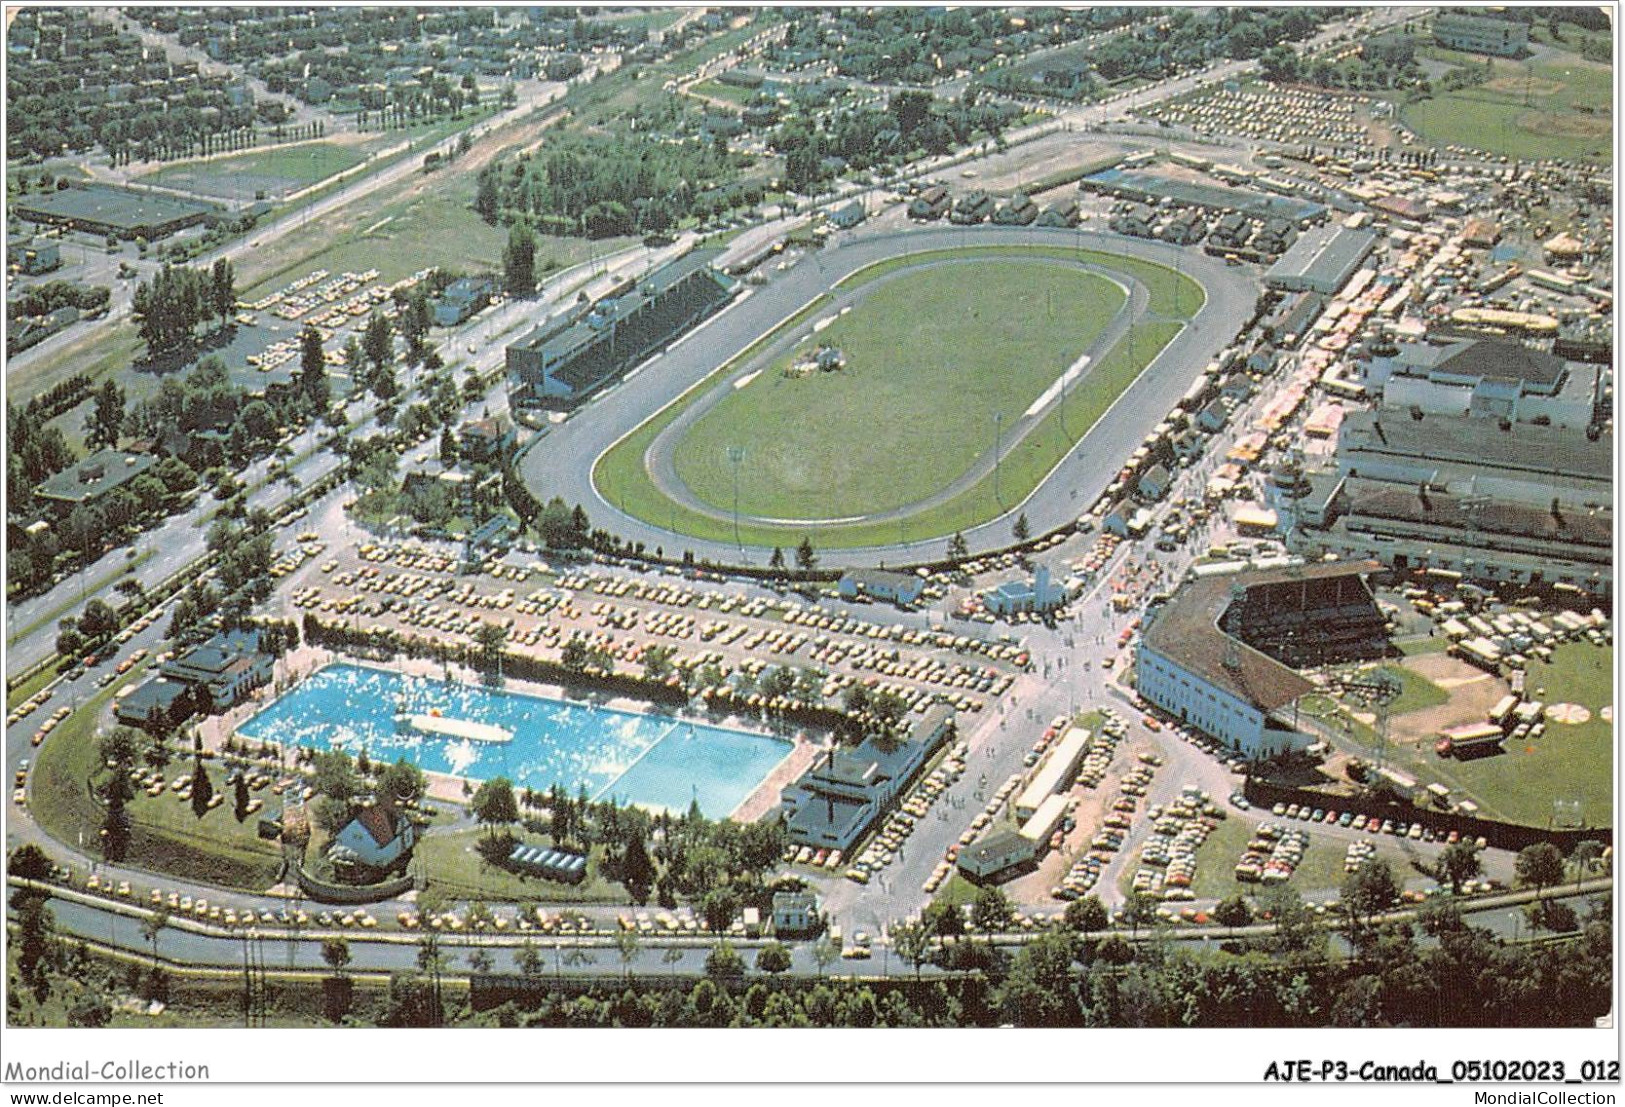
column 736, row 454
column 998, row 449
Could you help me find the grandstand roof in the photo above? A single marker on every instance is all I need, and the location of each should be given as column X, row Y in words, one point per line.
column 1568, row 526
column 1186, row 632
column 1476, row 444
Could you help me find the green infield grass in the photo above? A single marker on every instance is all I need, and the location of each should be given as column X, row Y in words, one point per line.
column 932, row 359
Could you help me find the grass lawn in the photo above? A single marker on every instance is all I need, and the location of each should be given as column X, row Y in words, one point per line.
column 1412, row 647
column 456, row 871
column 621, row 476
column 716, row 90
column 1415, row 691
column 165, row 836
column 932, row 356
column 957, row 891
column 1320, row 874
column 1560, row 107
column 1569, row 762
column 275, row 171
column 30, row 686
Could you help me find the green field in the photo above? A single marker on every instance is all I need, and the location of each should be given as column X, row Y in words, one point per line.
column 275, row 171
column 1569, row 762
column 932, row 357
column 456, row 871
column 716, row 90
column 621, row 476
column 1560, row 107
column 1320, row 873
column 165, row 836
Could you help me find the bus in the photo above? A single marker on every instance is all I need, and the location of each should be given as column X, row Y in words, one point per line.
column 1459, row 740
column 1502, row 711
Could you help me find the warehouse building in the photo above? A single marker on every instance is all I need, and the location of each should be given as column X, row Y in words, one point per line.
column 1321, row 261
column 1479, row 34
column 1519, row 503
column 585, row 347
column 1222, row 654
column 1491, row 378
column 106, row 210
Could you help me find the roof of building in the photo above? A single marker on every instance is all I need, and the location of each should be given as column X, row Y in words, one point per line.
column 468, row 289
column 381, row 822
column 94, row 477
column 884, row 578
column 1475, row 444
column 1568, row 526
column 995, row 847
column 1500, row 360
column 1326, row 255
column 153, row 697
column 1186, row 632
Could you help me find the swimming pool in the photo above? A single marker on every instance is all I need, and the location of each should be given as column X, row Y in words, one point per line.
column 651, row 760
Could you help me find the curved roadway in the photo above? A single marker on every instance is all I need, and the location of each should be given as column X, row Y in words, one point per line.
column 561, row 463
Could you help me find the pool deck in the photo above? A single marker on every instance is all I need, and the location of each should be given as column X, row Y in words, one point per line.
column 300, row 663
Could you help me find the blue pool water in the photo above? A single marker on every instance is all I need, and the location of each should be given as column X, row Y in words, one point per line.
column 649, row 760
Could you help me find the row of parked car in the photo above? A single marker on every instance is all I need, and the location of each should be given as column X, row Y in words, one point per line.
column 900, row 823
column 1168, row 858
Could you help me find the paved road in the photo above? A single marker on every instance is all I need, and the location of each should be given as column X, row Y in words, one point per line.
column 561, row 463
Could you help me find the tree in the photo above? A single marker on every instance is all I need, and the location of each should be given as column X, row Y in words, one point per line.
column 637, row 870
column 1584, row 856
column 719, row 907
column 773, row 958
column 490, row 639
column 401, row 782
column 776, row 560
column 724, row 963
column 528, row 959
column 628, row 945
column 202, row 788
column 335, row 776
column 1369, row 889
column 1459, row 863
column 959, row 550
column 1086, row 915
column 1553, row 915
column 106, row 417
column 991, row 910
column 494, row 804
column 519, row 262
column 223, row 289
column 825, row 954
column 1233, row 912
column 805, row 557
column 449, row 449
column 313, row 382
column 1040, row 989
column 1020, row 530
column 240, row 798
column 1540, row 864
column 1139, row 910
column 29, row 862
column 98, row 620
column 378, row 345
column 912, row 942
column 336, row 952
column 152, row 927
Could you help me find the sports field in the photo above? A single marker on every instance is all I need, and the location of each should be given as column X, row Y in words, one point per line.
column 276, row 172
column 932, row 357
column 622, row 474
column 1560, row 106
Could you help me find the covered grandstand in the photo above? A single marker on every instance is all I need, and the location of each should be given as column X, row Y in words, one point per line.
column 1223, row 654
column 585, row 347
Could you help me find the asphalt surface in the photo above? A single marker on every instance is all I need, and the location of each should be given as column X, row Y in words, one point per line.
column 561, row 463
